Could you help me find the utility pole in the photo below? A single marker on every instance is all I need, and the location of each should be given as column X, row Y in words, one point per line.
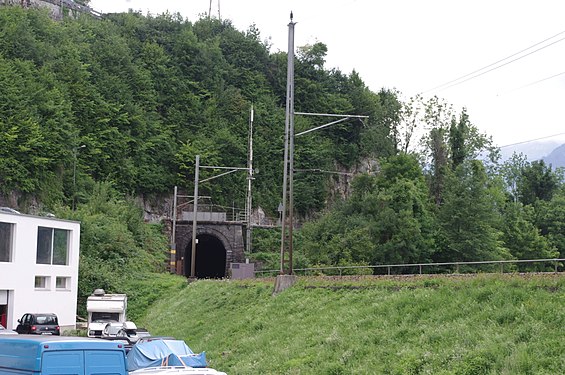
column 287, row 200
column 194, row 213
column 248, row 209
column 197, row 167
column 173, row 263
column 210, row 11
column 288, row 175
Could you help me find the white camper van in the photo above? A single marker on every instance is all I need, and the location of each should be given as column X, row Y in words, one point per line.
column 105, row 308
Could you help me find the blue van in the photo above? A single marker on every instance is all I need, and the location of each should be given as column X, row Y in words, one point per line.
column 52, row 355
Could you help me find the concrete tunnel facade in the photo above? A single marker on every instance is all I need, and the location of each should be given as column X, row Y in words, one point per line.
column 219, row 245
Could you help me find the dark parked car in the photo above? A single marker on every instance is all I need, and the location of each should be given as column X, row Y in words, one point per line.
column 39, row 324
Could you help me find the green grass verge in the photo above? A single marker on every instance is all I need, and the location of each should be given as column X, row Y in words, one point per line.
column 486, row 324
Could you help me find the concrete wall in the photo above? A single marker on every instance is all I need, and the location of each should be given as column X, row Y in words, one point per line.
column 17, row 277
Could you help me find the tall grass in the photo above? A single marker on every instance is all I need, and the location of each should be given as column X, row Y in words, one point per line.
column 487, row 324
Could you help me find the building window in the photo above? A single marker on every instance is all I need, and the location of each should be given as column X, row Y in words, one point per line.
column 6, row 241
column 62, row 283
column 42, row 282
column 52, row 246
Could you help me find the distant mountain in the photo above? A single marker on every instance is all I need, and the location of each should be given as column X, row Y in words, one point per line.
column 533, row 150
column 556, row 158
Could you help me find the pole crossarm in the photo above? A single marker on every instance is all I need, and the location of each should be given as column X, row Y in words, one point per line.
column 329, row 115
column 217, row 167
column 231, row 170
column 321, row 126
column 323, row 171
column 220, row 175
column 343, row 118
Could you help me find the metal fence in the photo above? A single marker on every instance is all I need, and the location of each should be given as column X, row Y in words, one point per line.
column 502, row 266
column 214, row 212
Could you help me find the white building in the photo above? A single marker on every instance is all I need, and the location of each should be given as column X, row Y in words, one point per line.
column 39, row 258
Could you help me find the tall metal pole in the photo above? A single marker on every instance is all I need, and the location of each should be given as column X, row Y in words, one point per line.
column 194, row 221
column 288, row 147
column 291, row 156
column 249, row 179
column 173, row 235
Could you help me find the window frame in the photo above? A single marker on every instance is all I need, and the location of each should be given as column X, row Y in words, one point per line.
column 44, row 285
column 10, row 243
column 49, row 246
column 66, row 280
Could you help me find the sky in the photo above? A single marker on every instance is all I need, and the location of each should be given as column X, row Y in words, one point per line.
column 417, row 47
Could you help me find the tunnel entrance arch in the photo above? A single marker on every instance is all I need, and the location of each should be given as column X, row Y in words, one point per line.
column 220, row 245
column 211, row 257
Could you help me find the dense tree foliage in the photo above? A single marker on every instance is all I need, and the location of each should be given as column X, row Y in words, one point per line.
column 388, row 219
column 117, row 247
column 145, row 94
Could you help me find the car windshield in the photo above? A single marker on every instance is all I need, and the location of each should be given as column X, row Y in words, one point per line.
column 46, row 319
column 105, row 317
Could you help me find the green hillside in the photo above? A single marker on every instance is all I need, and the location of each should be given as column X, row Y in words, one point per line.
column 485, row 324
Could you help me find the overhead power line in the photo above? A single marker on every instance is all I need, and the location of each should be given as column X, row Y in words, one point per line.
column 532, row 140
column 497, row 64
column 538, row 81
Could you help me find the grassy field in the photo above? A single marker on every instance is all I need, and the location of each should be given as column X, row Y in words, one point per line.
column 485, row 324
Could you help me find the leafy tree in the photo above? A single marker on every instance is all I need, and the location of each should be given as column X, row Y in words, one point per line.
column 538, row 182
column 521, row 237
column 469, row 217
column 116, row 244
column 336, row 240
column 511, row 173
column 550, row 218
column 439, row 167
column 457, row 136
column 388, row 219
column 449, row 141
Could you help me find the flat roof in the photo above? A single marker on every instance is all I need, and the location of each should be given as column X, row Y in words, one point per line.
column 38, row 217
column 51, row 338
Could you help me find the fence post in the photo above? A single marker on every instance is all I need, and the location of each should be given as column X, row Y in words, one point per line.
column 388, row 267
column 339, row 272
column 556, row 264
column 420, row 266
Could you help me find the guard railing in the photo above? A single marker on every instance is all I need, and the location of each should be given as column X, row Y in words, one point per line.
column 553, row 265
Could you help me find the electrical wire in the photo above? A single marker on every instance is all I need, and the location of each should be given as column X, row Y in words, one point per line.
column 495, row 65
column 538, row 81
column 532, row 140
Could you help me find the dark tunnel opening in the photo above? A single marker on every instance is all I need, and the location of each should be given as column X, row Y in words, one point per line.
column 210, row 258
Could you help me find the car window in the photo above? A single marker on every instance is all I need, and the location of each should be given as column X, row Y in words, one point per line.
column 45, row 320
